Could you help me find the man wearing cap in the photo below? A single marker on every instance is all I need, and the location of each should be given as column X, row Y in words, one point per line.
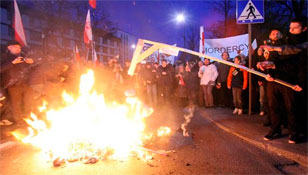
column 14, row 76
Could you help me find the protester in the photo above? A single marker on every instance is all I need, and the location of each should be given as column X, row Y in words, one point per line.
column 237, row 80
column 14, row 77
column 192, row 84
column 200, row 92
column 298, row 36
column 165, row 81
column 293, row 71
column 181, row 91
column 243, row 58
column 208, row 74
column 223, row 93
column 149, row 78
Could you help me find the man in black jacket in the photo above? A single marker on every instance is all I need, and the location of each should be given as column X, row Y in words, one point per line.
column 149, row 78
column 165, row 77
column 224, row 95
column 293, row 71
column 14, row 77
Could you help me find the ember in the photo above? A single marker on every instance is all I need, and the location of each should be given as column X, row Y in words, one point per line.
column 87, row 128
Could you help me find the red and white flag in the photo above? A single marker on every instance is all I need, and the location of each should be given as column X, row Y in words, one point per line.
column 92, row 3
column 95, row 59
column 77, row 55
column 87, row 34
column 18, row 27
column 201, row 45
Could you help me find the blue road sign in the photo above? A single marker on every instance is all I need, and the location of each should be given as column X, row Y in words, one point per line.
column 249, row 11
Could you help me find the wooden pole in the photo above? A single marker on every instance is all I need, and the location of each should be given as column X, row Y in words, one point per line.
column 161, row 45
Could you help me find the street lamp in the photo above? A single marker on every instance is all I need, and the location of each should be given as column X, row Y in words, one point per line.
column 133, row 46
column 180, row 18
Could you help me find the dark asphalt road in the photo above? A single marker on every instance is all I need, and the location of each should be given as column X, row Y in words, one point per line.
column 212, row 151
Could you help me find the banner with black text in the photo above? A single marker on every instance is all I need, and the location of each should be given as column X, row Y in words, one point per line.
column 215, row 47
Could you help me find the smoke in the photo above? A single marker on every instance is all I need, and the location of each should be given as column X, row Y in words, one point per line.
column 187, row 117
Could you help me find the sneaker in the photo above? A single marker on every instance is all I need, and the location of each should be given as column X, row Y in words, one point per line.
column 240, row 112
column 272, row 135
column 261, row 113
column 235, row 111
column 294, row 139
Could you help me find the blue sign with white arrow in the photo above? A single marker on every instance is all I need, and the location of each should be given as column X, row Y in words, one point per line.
column 249, row 11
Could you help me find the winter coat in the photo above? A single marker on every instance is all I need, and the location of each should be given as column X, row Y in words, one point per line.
column 237, row 78
column 12, row 74
column 208, row 74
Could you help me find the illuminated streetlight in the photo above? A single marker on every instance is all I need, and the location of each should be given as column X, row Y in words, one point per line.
column 133, row 46
column 180, row 18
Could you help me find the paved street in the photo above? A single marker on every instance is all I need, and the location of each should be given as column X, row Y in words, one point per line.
column 210, row 150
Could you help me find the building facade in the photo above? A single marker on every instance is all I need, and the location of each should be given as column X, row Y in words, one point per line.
column 127, row 47
column 41, row 40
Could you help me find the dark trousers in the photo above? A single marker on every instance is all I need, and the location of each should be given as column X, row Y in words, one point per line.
column 224, row 95
column 21, row 103
column 280, row 95
column 164, row 94
column 192, row 96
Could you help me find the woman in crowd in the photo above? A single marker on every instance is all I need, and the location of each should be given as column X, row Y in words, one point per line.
column 208, row 74
column 237, row 80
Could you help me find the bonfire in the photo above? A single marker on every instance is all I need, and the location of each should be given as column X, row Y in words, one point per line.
column 87, row 128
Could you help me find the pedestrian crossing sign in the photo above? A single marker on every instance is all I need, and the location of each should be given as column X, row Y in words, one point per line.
column 249, row 11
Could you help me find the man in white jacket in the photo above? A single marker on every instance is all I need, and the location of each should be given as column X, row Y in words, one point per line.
column 208, row 74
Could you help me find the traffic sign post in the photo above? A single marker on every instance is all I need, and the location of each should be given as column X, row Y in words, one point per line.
column 249, row 12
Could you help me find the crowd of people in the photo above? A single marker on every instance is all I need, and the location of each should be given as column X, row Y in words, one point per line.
column 25, row 82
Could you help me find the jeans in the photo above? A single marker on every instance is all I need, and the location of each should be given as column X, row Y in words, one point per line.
column 262, row 98
column 237, row 97
column 208, row 95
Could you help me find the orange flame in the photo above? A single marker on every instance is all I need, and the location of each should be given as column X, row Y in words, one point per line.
column 86, row 126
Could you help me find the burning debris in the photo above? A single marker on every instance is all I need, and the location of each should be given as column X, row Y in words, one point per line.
column 88, row 129
column 187, row 117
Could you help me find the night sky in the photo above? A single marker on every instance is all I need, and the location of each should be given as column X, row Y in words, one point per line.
column 155, row 20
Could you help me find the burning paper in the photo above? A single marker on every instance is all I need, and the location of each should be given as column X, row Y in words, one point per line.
column 187, row 118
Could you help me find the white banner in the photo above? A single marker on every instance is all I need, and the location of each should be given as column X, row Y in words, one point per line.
column 215, row 47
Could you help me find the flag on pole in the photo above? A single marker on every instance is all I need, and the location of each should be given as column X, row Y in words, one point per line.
column 95, row 59
column 92, row 3
column 201, row 46
column 77, row 55
column 18, row 27
column 87, row 34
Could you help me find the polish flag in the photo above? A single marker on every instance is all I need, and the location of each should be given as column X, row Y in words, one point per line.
column 95, row 59
column 77, row 55
column 18, row 27
column 201, row 45
column 92, row 3
column 87, row 34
